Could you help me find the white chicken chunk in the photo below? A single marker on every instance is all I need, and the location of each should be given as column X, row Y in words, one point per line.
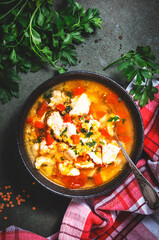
column 35, row 149
column 55, row 122
column 43, row 147
column 109, row 153
column 80, row 106
column 68, row 170
column 57, row 98
column 86, row 164
column 43, row 160
column 70, row 154
column 95, row 158
column 71, row 128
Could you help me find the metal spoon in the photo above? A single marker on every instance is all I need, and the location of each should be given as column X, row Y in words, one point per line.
column 149, row 193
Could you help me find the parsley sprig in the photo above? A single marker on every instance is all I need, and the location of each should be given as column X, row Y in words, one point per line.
column 141, row 65
column 33, row 34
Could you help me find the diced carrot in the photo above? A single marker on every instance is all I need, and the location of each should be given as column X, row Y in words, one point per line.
column 42, row 109
column 49, row 139
column 29, row 120
column 74, row 181
column 112, row 98
column 39, row 124
column 60, row 107
column 98, row 179
column 67, row 118
column 78, row 91
column 75, row 139
column 104, row 132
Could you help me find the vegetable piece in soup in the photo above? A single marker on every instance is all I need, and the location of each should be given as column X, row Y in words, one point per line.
column 69, row 134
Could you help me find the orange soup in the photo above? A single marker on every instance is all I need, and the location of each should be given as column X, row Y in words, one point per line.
column 69, row 134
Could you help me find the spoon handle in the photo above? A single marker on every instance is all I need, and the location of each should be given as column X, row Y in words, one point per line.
column 149, row 193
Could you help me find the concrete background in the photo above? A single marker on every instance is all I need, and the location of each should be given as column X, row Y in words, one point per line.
column 126, row 24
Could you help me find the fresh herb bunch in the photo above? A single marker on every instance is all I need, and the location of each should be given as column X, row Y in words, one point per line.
column 140, row 65
column 33, row 34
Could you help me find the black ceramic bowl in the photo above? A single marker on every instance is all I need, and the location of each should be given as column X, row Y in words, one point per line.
column 106, row 188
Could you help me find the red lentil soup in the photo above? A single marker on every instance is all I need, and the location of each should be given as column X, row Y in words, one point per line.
column 69, row 134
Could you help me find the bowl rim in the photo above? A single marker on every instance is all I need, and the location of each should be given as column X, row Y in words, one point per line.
column 53, row 187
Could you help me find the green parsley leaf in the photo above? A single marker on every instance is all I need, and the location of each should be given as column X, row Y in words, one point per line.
column 63, row 132
column 69, row 94
column 47, row 95
column 123, row 120
column 91, row 144
column 83, row 130
column 139, row 64
column 87, row 135
column 68, row 108
column 113, row 119
column 35, row 34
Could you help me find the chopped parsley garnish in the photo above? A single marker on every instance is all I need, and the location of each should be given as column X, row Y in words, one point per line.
column 69, row 94
column 123, row 120
column 83, row 130
column 39, row 139
column 52, row 132
column 62, row 158
column 48, row 95
column 73, row 147
column 64, row 131
column 41, row 133
column 91, row 144
column 91, row 127
column 87, row 135
column 81, row 142
column 102, row 142
column 113, row 119
column 68, row 108
column 75, row 151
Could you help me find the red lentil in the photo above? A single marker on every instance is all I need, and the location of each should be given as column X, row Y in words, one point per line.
column 9, row 200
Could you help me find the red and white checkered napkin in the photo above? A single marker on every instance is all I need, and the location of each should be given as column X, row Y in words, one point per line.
column 114, row 215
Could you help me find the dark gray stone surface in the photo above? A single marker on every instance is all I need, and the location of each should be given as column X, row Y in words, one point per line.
column 126, row 24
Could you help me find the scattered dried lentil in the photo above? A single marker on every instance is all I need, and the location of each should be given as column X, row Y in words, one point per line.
column 10, row 201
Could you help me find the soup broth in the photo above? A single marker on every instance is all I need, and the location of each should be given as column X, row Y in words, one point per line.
column 69, row 134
